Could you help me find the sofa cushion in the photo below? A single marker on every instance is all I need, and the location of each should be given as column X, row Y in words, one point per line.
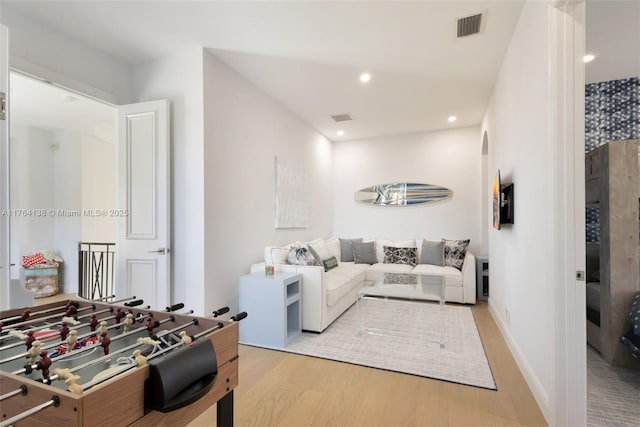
column 454, row 252
column 453, row 276
column 319, row 251
column 432, row 253
column 346, row 249
column 301, row 255
column 330, row 263
column 364, row 253
column 333, row 246
column 276, row 255
column 393, row 255
column 381, row 243
column 339, row 281
column 376, row 270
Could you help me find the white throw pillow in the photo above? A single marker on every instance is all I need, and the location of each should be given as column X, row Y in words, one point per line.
column 380, row 243
column 274, row 255
column 321, row 249
column 333, row 246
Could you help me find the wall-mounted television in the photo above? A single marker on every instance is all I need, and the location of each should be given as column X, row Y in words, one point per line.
column 502, row 202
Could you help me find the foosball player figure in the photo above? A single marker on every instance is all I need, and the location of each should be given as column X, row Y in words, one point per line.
column 150, row 325
column 93, row 323
column 44, row 364
column 103, row 327
column 29, row 340
column 72, row 340
column 140, row 359
column 186, row 339
column 34, row 352
column 25, row 315
column 104, row 342
column 72, row 311
column 64, row 331
column 119, row 315
column 71, row 383
column 128, row 321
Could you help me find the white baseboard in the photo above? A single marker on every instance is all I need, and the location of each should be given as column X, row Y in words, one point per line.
column 539, row 393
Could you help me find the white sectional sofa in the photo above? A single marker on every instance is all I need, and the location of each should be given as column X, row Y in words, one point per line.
column 327, row 294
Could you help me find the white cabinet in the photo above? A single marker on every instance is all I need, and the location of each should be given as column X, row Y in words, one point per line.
column 273, row 304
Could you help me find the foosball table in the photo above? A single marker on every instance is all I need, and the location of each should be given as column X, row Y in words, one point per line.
column 92, row 363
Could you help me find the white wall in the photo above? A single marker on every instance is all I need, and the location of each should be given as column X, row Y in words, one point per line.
column 32, row 187
column 244, row 131
column 521, row 256
column 178, row 78
column 67, row 181
column 448, row 158
column 98, row 167
column 46, row 53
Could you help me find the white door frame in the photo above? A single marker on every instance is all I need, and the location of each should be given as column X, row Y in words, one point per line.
column 5, row 261
column 567, row 38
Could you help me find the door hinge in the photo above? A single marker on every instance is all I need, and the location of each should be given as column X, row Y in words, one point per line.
column 3, row 104
column 580, row 275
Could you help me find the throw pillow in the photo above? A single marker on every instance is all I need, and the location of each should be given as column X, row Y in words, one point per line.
column 381, row 243
column 364, row 252
column 333, row 246
column 454, row 252
column 432, row 253
column 274, row 255
column 330, row 263
column 319, row 251
column 301, row 255
column 31, row 260
column 393, row 255
column 346, row 249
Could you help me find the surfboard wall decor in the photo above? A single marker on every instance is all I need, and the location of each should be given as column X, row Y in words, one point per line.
column 402, row 194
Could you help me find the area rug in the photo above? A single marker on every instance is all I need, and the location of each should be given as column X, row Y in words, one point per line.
column 404, row 336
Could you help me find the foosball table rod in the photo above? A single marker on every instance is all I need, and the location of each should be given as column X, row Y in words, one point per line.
column 23, row 390
column 55, row 401
column 83, row 349
column 28, row 313
column 106, row 298
column 40, row 319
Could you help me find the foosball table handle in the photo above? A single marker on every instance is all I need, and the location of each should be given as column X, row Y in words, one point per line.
column 134, row 303
column 220, row 311
column 238, row 317
column 175, row 307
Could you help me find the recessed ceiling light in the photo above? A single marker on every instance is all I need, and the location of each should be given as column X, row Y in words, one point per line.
column 588, row 58
column 340, row 133
column 452, row 119
column 69, row 98
column 365, row 77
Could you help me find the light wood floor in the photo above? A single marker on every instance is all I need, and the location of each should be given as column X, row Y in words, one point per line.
column 289, row 390
column 282, row 389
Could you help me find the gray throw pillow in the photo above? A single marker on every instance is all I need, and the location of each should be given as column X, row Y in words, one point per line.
column 454, row 252
column 432, row 253
column 364, row 252
column 346, row 249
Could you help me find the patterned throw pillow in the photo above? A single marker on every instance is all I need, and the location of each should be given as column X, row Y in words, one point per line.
column 454, row 252
column 330, row 263
column 31, row 260
column 393, row 255
column 301, row 255
column 634, row 314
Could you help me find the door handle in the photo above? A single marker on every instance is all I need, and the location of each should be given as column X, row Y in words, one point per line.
column 160, row 251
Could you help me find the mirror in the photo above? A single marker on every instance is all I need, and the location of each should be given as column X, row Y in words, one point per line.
column 402, row 194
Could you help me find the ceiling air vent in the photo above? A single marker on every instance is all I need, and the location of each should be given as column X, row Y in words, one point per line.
column 342, row 117
column 469, row 25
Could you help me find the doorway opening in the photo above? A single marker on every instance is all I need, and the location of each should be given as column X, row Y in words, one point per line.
column 62, row 177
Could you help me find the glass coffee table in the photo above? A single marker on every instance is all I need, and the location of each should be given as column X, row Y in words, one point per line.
column 407, row 286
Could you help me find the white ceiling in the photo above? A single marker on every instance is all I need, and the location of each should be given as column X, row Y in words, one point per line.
column 308, row 55
column 34, row 103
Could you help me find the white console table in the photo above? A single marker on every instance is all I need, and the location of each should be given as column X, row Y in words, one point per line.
column 274, row 305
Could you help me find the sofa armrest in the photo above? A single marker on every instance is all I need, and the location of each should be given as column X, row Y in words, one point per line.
column 313, row 292
column 469, row 278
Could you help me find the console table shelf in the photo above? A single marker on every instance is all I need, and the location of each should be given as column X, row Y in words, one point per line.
column 274, row 306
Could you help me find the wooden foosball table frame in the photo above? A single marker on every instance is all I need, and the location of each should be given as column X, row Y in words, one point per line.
column 119, row 401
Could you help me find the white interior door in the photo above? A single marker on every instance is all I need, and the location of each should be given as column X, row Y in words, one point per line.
column 5, row 274
column 142, row 247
